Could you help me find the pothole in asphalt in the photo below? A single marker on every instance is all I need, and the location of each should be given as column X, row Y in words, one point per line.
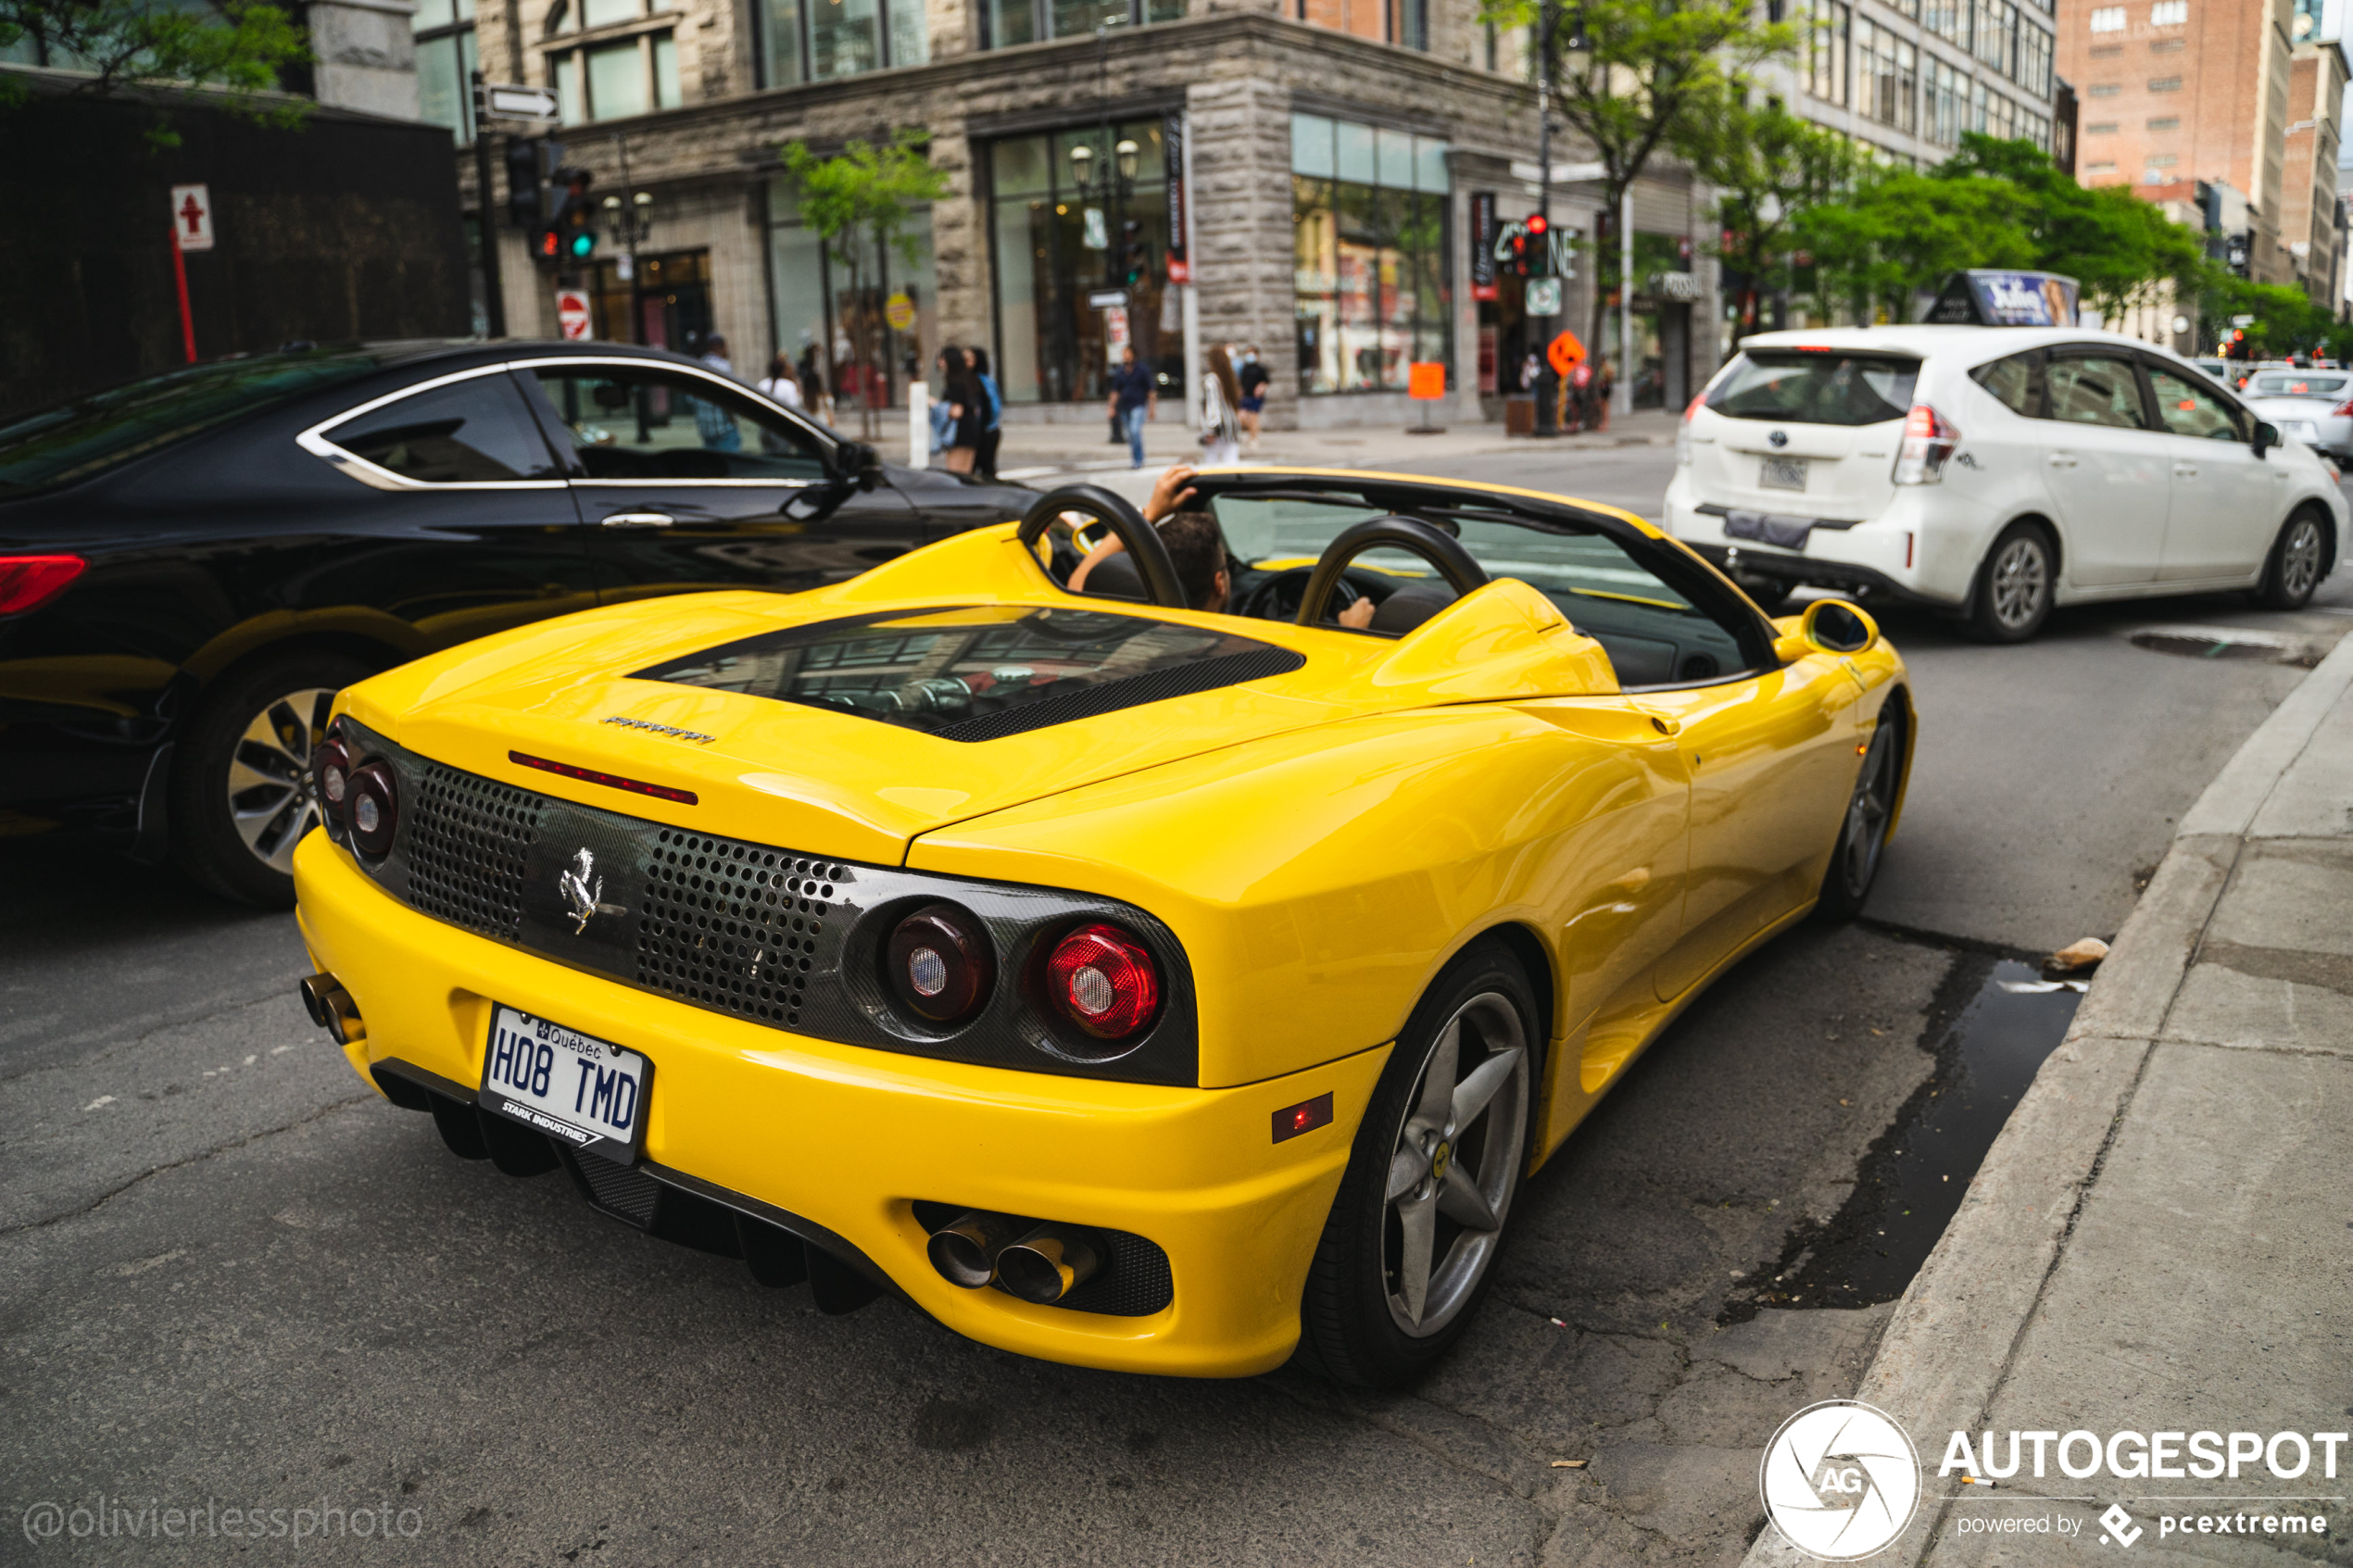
column 2197, row 642
column 1911, row 1179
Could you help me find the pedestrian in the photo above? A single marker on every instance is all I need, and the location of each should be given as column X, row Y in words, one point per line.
column 1221, row 395
column 714, row 426
column 1254, row 379
column 967, row 412
column 1605, row 379
column 993, row 431
column 781, row 383
column 1135, row 397
column 813, row 396
column 941, row 411
column 1579, row 382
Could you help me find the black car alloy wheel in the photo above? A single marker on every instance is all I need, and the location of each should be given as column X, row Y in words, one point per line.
column 239, row 808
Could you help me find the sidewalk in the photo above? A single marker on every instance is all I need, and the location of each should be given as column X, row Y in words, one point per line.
column 1049, row 454
column 2159, row 1242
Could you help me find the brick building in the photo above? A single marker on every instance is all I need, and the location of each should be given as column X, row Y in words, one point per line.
column 2188, row 90
column 1337, row 152
column 2308, row 219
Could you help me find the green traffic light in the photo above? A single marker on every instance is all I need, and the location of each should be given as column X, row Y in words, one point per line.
column 584, row 245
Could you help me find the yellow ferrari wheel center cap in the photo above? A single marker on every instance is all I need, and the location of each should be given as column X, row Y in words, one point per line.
column 1438, row 1160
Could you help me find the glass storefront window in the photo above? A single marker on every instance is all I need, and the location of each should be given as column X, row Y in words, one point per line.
column 1010, row 22
column 1369, row 225
column 838, row 328
column 1053, row 346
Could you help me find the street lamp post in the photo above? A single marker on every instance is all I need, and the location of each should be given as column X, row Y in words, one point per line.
column 630, row 223
column 1118, row 178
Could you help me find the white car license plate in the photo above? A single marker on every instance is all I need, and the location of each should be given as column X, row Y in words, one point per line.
column 588, row 1091
column 1783, row 473
column 2303, row 430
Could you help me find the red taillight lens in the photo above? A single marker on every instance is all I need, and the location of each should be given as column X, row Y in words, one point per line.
column 372, row 806
column 2342, row 409
column 1928, row 444
column 1693, row 407
column 30, row 582
column 331, row 779
column 938, row 963
column 1102, row 980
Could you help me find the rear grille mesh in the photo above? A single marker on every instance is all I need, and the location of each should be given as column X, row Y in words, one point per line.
column 733, row 926
column 468, row 843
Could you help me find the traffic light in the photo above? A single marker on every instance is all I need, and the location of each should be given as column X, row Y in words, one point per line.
column 530, row 163
column 1135, row 252
column 1540, row 246
column 569, row 236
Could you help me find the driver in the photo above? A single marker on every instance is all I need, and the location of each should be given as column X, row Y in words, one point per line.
column 1197, row 549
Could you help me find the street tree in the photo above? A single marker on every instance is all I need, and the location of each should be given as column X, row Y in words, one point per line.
column 861, row 204
column 2122, row 251
column 236, row 50
column 1643, row 74
column 1767, row 166
column 1895, row 234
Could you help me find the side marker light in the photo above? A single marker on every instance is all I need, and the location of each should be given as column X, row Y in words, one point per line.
column 1304, row 1117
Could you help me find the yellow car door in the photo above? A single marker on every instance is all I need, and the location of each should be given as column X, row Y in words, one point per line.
column 1772, row 761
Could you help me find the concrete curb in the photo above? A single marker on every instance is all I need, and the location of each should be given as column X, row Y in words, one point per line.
column 1950, row 1342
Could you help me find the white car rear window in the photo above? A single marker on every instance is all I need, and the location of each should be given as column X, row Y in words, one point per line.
column 2296, row 386
column 1803, row 386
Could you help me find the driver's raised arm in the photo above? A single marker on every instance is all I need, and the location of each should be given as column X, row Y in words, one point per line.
column 1111, row 544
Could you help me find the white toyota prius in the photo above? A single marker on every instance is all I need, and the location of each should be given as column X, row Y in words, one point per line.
column 1991, row 472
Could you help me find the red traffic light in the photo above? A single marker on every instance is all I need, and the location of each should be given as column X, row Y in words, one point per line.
column 1536, row 223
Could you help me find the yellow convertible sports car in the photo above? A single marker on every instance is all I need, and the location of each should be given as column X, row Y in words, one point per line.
column 1173, row 976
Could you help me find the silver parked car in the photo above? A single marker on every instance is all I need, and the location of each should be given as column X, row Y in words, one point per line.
column 2315, row 407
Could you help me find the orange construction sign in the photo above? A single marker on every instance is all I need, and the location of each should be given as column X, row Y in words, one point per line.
column 1426, row 380
column 1566, row 353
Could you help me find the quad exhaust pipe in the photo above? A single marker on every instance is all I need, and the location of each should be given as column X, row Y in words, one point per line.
column 1038, row 1262
column 332, row 1009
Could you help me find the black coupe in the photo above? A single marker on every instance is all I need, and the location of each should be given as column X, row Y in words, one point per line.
column 192, row 565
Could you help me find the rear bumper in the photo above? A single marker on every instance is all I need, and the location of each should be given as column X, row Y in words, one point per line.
column 1891, row 558
column 849, row 1139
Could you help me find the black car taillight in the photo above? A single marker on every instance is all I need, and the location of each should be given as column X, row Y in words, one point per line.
column 373, row 809
column 1101, row 979
column 30, row 582
column 938, row 963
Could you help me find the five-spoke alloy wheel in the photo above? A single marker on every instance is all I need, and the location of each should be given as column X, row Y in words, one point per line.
column 1861, row 837
column 1411, row 1244
column 2014, row 587
column 2292, row 570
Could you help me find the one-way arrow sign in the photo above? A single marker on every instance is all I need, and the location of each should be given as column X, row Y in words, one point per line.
column 504, row 100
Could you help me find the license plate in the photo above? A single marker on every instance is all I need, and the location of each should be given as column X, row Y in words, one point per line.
column 1783, row 473
column 588, row 1091
column 2303, row 430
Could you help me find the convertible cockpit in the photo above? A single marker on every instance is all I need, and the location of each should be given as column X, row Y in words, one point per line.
column 1305, row 546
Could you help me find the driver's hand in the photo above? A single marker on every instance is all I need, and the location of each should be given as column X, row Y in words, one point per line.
column 1358, row 616
column 1170, row 492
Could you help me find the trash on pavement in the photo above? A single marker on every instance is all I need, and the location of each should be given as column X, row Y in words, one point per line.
column 1570, row 1463
column 2085, row 954
column 2041, row 987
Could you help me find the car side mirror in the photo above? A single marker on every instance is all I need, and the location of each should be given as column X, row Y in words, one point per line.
column 2267, row 436
column 858, row 462
column 1827, row 626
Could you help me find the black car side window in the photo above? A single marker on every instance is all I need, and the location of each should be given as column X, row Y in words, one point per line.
column 473, row 431
column 627, row 423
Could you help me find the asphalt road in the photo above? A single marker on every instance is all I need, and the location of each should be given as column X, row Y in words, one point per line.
column 230, row 1276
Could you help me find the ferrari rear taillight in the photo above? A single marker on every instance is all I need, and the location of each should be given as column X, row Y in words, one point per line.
column 331, row 775
column 1930, row 441
column 373, row 809
column 938, row 963
column 30, row 582
column 1101, row 979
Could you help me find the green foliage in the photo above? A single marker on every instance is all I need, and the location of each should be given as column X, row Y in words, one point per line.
column 861, row 201
column 235, row 49
column 2286, row 319
column 1769, row 166
column 1897, row 233
column 1653, row 74
column 2119, row 248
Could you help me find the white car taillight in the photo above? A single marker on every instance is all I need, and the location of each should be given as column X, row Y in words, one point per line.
column 1930, row 441
column 1683, row 432
column 2342, row 409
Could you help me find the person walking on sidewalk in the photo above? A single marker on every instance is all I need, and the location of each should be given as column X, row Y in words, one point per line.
column 1134, row 398
column 992, row 429
column 967, row 415
column 714, row 425
column 1604, row 378
column 1254, row 379
column 1220, row 398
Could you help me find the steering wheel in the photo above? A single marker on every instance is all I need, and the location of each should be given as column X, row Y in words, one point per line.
column 1153, row 562
column 1442, row 549
column 1275, row 596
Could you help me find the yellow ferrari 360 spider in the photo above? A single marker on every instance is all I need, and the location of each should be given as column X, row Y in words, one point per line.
column 1174, row 976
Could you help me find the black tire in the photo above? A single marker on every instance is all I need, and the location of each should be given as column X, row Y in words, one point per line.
column 1862, row 833
column 2292, row 571
column 237, row 808
column 1351, row 1331
column 2012, row 597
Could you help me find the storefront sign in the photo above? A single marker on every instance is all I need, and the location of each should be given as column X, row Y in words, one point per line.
column 1181, row 265
column 1097, row 231
column 1482, row 238
column 1681, row 287
column 899, row 311
column 572, row 314
column 1116, row 338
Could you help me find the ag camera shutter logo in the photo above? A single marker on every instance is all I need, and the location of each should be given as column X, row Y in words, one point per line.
column 1840, row 1480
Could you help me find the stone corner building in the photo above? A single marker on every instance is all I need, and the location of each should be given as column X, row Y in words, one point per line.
column 1337, row 152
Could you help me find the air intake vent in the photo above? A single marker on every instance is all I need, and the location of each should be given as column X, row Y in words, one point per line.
column 467, row 844
column 733, row 926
